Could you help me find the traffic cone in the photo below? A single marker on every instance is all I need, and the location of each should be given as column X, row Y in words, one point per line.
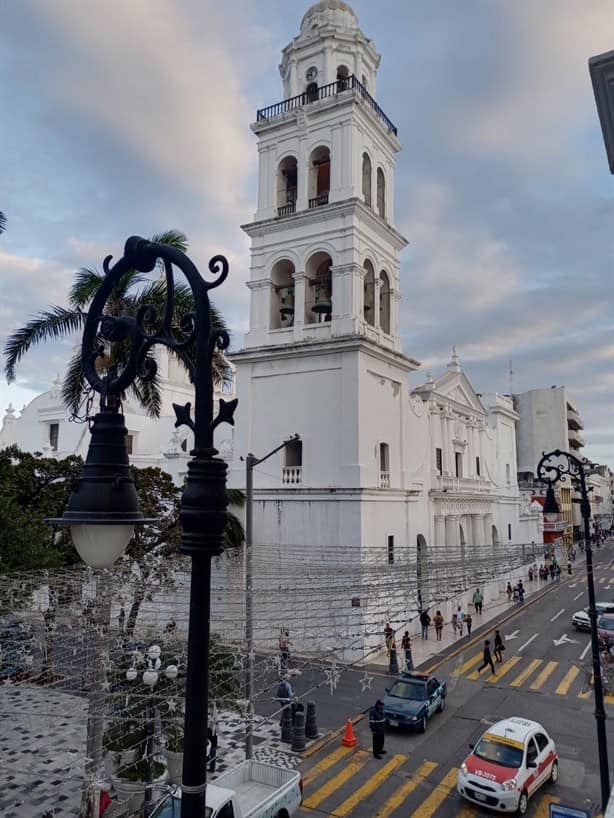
column 349, row 739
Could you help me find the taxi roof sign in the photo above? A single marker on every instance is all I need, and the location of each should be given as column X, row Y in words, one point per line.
column 560, row 811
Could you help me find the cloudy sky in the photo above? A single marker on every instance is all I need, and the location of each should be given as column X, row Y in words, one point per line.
column 124, row 117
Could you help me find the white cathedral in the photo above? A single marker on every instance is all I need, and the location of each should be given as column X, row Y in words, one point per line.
column 417, row 482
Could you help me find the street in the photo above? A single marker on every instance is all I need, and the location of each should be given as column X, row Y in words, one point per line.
column 540, row 679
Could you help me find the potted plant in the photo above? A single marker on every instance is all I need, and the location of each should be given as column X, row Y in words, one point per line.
column 129, row 781
column 173, row 751
column 123, row 743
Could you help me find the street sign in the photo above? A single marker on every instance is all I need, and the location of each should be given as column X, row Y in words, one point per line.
column 559, row 811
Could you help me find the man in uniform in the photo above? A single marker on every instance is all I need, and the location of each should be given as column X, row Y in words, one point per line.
column 377, row 723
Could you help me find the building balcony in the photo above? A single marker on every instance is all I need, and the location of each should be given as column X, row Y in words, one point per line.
column 463, row 485
column 559, row 525
column 292, row 475
column 574, row 421
column 287, row 210
column 318, row 201
column 345, row 86
column 576, row 441
column 384, row 479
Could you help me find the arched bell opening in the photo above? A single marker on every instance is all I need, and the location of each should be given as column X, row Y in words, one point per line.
column 282, row 295
column 319, row 300
column 286, row 186
column 384, row 302
column 369, row 294
column 381, row 193
column 319, row 176
column 311, row 92
column 343, row 77
column 366, row 178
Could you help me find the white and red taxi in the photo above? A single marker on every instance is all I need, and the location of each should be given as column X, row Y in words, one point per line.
column 509, row 763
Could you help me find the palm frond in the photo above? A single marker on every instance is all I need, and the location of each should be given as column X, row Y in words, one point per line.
column 148, row 395
column 2, row 222
column 57, row 322
column 174, row 238
column 74, row 384
column 234, row 534
column 87, row 281
column 235, row 497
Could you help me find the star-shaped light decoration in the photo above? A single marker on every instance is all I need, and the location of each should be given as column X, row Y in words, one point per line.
column 238, row 660
column 366, row 682
column 172, row 705
column 332, row 674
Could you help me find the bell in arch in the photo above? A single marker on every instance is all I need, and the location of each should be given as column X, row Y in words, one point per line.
column 323, row 300
column 286, row 302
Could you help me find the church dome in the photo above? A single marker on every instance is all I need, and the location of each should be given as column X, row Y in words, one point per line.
column 329, row 12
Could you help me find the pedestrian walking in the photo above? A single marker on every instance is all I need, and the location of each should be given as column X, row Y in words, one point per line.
column 487, row 658
column 460, row 620
column 468, row 623
column 284, row 649
column 520, row 591
column 499, row 647
column 477, row 600
column 569, row 568
column 377, row 723
column 454, row 621
column 558, row 573
column 438, row 622
column 425, row 621
column 284, row 695
column 509, row 591
column 388, row 637
column 406, row 645
column 121, row 619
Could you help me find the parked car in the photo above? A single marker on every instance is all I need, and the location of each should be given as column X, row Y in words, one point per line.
column 580, row 620
column 413, row 699
column 508, row 765
column 250, row 790
column 605, row 628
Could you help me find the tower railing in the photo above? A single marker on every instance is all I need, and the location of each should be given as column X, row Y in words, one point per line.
column 339, row 86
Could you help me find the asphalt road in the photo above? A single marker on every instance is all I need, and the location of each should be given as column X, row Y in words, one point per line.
column 540, row 679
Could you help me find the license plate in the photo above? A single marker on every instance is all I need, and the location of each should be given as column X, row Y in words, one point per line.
column 393, row 723
column 479, row 796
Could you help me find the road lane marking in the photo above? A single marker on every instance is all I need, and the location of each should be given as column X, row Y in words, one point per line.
column 563, row 688
column 504, row 668
column 326, row 790
column 369, row 787
column 437, row 796
column 535, row 635
column 397, row 798
column 556, row 616
column 577, row 596
column 585, row 651
column 326, row 763
column 467, row 665
column 544, row 674
column 524, row 675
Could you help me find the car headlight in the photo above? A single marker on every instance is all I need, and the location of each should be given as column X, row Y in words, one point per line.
column 510, row 784
column 463, row 768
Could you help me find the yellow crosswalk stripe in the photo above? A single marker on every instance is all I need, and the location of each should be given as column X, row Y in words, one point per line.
column 563, row 688
column 356, row 763
column 437, row 796
column 326, row 763
column 397, row 798
column 503, row 669
column 524, row 675
column 475, row 660
column 543, row 808
column 543, row 676
column 369, row 787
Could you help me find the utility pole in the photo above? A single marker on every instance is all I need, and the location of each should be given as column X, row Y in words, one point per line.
column 251, row 461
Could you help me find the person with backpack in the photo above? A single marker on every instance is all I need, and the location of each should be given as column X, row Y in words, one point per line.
column 285, row 695
column 425, row 621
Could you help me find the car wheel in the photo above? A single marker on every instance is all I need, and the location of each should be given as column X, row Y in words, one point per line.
column 554, row 772
column 523, row 803
column 442, row 704
column 422, row 727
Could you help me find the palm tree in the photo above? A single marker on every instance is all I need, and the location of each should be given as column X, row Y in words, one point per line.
column 134, row 291
column 2, row 222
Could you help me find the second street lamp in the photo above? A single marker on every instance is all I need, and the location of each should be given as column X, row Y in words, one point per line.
column 555, row 466
column 103, row 506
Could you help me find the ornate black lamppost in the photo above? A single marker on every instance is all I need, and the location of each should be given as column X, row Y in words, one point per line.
column 103, row 508
column 555, row 466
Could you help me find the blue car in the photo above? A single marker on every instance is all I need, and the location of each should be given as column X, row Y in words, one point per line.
column 412, row 700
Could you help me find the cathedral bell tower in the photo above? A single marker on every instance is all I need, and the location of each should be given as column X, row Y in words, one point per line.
column 324, row 257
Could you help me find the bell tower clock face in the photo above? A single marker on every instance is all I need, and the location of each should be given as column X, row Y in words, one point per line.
column 311, row 73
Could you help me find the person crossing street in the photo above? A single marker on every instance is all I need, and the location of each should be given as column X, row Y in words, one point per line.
column 487, row 658
column 377, row 723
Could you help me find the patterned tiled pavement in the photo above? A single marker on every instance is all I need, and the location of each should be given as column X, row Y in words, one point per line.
column 42, row 750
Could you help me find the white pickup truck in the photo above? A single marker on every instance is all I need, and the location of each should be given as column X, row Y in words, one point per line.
column 251, row 790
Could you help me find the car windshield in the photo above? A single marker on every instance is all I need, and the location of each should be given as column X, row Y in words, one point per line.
column 416, row 691
column 171, row 808
column 607, row 623
column 499, row 752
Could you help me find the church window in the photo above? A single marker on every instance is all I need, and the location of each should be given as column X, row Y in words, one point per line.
column 130, row 443
column 319, row 177
column 184, row 445
column 365, row 82
column 384, row 302
column 509, row 531
column 286, row 186
column 54, row 436
column 384, row 466
column 458, row 459
column 477, row 466
column 391, row 549
column 292, row 471
column 366, row 178
column 439, row 461
column 381, row 193
column 342, row 78
column 508, row 474
column 282, row 295
column 312, row 92
column 319, row 295
column 369, row 294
